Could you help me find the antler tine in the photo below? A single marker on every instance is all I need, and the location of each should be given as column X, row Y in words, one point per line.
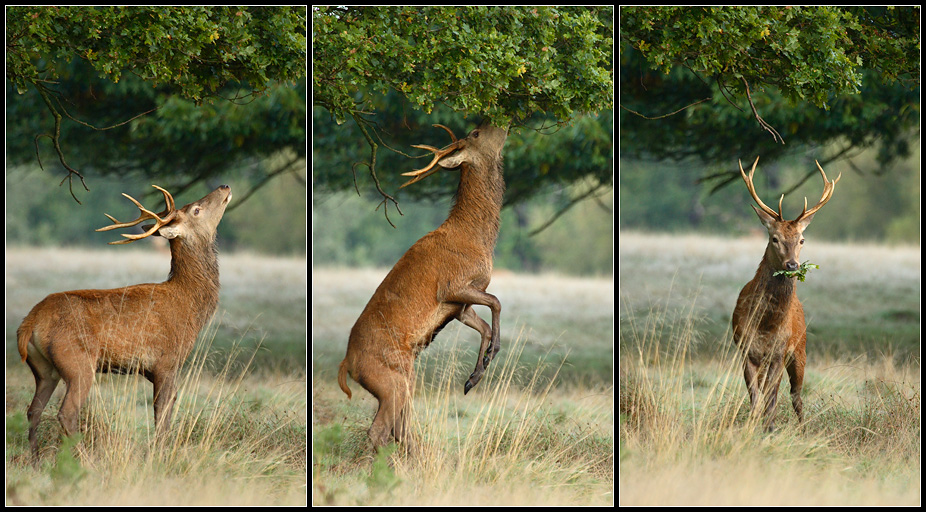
column 452, row 136
column 752, row 191
column 420, row 174
column 828, row 188
column 168, row 215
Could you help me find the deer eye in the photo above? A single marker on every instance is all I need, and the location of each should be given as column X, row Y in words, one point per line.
column 196, row 212
column 774, row 239
column 802, row 241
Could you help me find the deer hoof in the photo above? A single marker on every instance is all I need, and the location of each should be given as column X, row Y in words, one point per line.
column 468, row 386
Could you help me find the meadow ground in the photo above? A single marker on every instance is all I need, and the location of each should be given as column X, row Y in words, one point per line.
column 239, row 433
column 686, row 435
column 537, row 430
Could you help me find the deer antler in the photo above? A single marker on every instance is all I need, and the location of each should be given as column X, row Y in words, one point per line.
column 420, row 174
column 828, row 188
column 752, row 191
column 168, row 215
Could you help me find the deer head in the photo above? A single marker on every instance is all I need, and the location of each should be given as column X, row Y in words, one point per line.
column 482, row 145
column 786, row 237
column 199, row 218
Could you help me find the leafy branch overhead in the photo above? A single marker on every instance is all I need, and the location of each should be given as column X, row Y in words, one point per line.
column 191, row 52
column 813, row 54
column 503, row 62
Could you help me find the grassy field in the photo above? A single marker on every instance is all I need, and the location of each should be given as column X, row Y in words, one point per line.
column 686, row 435
column 239, row 433
column 537, row 430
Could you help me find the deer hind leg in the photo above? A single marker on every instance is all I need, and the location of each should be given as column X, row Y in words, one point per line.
column 46, row 380
column 392, row 389
column 402, row 431
column 78, row 383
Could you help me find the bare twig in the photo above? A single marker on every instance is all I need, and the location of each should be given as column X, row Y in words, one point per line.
column 775, row 135
column 43, row 91
column 666, row 115
column 723, row 90
column 372, row 166
column 572, row 202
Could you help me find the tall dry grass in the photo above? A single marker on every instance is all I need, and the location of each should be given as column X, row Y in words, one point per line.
column 516, row 439
column 687, row 436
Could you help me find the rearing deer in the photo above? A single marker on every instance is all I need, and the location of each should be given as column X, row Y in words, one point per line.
column 438, row 280
column 768, row 321
column 146, row 328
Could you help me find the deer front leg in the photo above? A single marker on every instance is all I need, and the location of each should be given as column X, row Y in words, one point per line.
column 770, row 392
column 469, row 317
column 165, row 391
column 750, row 374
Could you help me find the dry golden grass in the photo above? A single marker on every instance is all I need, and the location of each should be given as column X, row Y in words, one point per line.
column 526, row 435
column 239, row 434
column 686, row 433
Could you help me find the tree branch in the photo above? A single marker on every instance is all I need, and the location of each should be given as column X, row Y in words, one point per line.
column 775, row 135
column 372, row 166
column 43, row 91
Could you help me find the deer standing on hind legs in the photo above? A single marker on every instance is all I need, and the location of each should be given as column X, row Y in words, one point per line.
column 146, row 328
column 768, row 321
column 439, row 279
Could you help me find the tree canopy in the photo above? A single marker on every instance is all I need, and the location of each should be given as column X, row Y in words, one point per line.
column 183, row 91
column 395, row 70
column 198, row 50
column 503, row 62
column 708, row 82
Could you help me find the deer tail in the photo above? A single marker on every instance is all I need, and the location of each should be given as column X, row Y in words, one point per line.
column 342, row 375
column 24, row 334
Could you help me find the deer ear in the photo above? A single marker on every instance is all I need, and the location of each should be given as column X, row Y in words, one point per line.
column 767, row 220
column 169, row 232
column 804, row 221
column 454, row 160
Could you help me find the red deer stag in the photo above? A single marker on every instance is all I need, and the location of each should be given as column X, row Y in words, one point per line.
column 768, row 321
column 146, row 328
column 439, row 279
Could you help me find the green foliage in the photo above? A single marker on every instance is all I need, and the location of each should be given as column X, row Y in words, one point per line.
column 180, row 142
column 503, row 62
column 133, row 89
column 807, row 53
column 197, row 50
column 800, row 273
column 383, row 479
column 818, row 75
column 537, row 158
column 67, row 468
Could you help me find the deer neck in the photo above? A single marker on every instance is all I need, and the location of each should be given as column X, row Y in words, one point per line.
column 194, row 276
column 478, row 204
column 775, row 293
